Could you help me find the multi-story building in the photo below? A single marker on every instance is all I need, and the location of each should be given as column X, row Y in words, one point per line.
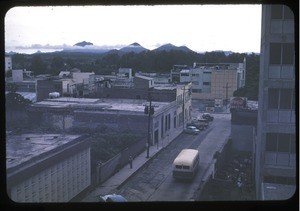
column 8, row 63
column 275, row 165
column 47, row 167
column 211, row 80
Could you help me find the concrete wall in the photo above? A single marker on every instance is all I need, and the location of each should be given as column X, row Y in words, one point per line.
column 242, row 138
column 17, row 75
column 56, row 181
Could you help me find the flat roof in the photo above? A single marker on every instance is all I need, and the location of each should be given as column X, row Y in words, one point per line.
column 22, row 148
column 185, row 71
column 136, row 105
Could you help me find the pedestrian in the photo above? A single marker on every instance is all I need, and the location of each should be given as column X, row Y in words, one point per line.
column 130, row 161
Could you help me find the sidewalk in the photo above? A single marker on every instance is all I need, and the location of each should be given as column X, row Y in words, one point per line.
column 109, row 186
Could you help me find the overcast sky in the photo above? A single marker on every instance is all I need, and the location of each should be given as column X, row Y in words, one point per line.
column 234, row 28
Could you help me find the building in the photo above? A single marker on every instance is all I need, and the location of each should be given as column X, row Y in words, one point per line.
column 211, row 80
column 47, row 167
column 175, row 72
column 8, row 63
column 243, row 128
column 68, row 113
column 22, row 83
column 275, row 165
column 67, row 83
column 125, row 73
column 64, row 86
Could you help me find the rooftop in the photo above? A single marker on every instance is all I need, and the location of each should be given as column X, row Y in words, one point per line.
column 134, row 105
column 22, row 148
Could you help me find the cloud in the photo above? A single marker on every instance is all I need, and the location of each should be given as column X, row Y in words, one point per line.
column 68, row 47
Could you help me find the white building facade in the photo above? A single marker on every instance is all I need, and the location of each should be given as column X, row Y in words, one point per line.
column 275, row 148
column 56, row 170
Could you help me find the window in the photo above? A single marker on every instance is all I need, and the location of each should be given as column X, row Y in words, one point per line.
column 275, row 53
column 288, row 14
column 281, row 98
column 288, row 53
column 206, row 83
column 273, row 99
column 282, row 53
column 286, row 99
column 293, row 143
column 281, row 12
column 196, row 90
column 281, row 142
column 271, row 142
column 276, row 12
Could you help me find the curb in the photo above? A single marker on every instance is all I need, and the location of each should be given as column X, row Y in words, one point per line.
column 151, row 157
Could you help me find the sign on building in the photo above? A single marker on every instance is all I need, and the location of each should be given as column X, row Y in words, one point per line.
column 238, row 102
column 219, row 102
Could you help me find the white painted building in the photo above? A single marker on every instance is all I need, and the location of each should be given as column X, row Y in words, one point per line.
column 8, row 63
column 47, row 167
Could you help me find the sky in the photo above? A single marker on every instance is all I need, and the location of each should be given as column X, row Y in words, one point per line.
column 201, row 28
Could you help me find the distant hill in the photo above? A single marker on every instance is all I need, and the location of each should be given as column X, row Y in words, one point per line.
column 134, row 47
column 85, row 47
column 83, row 43
column 169, row 47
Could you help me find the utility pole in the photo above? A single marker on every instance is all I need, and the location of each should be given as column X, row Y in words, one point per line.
column 150, row 111
column 226, row 87
column 183, row 106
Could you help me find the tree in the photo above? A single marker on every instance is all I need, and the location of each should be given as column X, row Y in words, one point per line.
column 15, row 105
column 57, row 65
column 38, row 66
column 15, row 101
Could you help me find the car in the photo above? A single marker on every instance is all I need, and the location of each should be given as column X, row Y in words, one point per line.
column 112, row 198
column 203, row 122
column 196, row 124
column 208, row 116
column 191, row 130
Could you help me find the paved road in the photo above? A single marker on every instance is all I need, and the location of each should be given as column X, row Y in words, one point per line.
column 154, row 182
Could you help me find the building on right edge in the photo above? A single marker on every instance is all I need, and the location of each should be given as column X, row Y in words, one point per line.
column 275, row 148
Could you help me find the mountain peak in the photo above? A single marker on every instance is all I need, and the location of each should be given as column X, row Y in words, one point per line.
column 83, row 43
column 135, row 44
column 169, row 47
column 134, row 47
column 169, row 44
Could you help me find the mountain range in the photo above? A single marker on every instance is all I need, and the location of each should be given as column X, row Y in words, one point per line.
column 88, row 47
column 135, row 47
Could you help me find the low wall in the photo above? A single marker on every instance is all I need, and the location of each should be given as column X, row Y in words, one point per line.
column 105, row 170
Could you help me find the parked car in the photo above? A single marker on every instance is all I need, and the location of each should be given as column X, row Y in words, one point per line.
column 203, row 122
column 112, row 198
column 192, row 130
column 208, row 116
column 196, row 124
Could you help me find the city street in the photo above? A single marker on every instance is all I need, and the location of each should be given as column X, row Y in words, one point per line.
column 154, row 181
